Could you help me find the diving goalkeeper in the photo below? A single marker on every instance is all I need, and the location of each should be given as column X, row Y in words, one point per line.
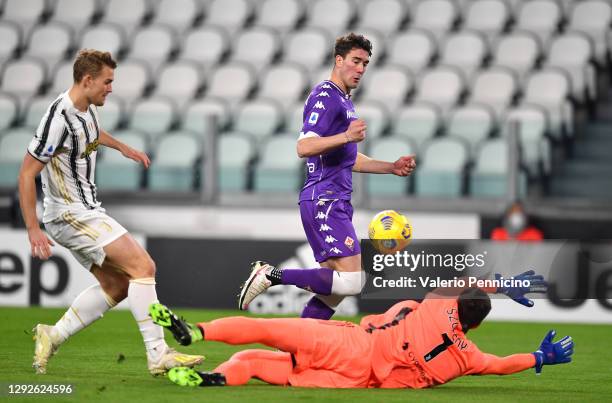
column 412, row 345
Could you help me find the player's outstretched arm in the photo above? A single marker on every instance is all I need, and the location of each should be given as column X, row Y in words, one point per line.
column 317, row 145
column 128, row 152
column 40, row 244
column 402, row 167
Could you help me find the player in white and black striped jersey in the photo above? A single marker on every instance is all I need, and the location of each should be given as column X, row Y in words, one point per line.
column 64, row 151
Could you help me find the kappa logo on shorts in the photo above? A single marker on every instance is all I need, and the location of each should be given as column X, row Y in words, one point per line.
column 330, row 239
column 349, row 242
column 335, row 250
column 320, row 215
column 325, row 227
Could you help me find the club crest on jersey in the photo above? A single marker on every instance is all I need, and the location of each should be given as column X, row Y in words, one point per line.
column 91, row 147
column 349, row 242
column 314, row 116
column 351, row 115
column 319, row 105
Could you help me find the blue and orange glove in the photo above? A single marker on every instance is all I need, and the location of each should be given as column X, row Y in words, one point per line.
column 551, row 353
column 537, row 284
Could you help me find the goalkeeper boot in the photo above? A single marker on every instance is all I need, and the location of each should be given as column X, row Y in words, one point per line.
column 185, row 333
column 171, row 358
column 45, row 346
column 257, row 283
column 190, row 377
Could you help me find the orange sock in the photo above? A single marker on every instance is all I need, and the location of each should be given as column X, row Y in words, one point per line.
column 272, row 367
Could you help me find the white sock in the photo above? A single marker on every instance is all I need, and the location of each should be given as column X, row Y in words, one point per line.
column 87, row 307
column 331, row 300
column 141, row 294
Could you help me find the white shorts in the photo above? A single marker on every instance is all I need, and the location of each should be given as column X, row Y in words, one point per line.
column 85, row 233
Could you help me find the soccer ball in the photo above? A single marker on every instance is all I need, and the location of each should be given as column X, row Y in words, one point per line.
column 389, row 231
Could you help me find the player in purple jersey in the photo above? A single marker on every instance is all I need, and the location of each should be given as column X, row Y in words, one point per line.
column 329, row 140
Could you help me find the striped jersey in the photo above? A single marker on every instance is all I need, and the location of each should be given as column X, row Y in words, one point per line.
column 66, row 141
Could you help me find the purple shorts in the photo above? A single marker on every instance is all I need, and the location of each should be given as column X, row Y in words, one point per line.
column 329, row 229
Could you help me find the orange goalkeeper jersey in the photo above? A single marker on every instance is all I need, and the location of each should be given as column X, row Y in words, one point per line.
column 418, row 345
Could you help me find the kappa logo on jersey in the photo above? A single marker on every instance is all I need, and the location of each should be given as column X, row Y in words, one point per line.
column 319, row 105
column 325, row 227
column 327, row 86
column 321, row 203
column 349, row 242
column 351, row 114
column 314, row 116
column 323, row 94
column 320, row 215
column 335, row 250
column 330, row 239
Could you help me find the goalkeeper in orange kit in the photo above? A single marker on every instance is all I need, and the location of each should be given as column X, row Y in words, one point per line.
column 412, row 345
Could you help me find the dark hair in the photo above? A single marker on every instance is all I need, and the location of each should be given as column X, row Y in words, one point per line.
column 346, row 43
column 90, row 61
column 474, row 305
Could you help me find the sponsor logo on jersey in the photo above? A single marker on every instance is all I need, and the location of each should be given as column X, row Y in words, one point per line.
column 91, row 147
column 351, row 115
column 314, row 116
column 323, row 94
column 349, row 242
column 319, row 105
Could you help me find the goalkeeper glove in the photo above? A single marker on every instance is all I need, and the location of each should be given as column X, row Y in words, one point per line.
column 536, row 284
column 551, row 353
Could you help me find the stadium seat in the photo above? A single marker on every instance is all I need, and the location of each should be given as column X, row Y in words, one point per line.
column 472, row 124
column 384, row 16
column 112, row 113
column 388, row 85
column 256, row 47
column 114, row 171
column 518, row 51
column 259, row 118
column 441, row 168
column 536, row 152
column 179, row 81
column 153, row 116
column 496, row 88
column 11, row 40
column 25, row 13
column 235, row 153
column 465, row 50
column 174, row 166
column 62, row 78
column 294, row 119
column 9, row 111
column 489, row 17
column 550, row 88
column 106, row 37
column 418, row 122
column 435, row 16
column 413, row 50
column 489, row 178
column 231, row 82
column 50, row 43
column 541, row 17
column 75, row 13
column 152, row 45
column 593, row 17
column 34, row 111
column 285, row 83
column 217, row 45
column 229, row 15
column 573, row 53
column 375, row 115
column 13, row 146
column 23, row 78
column 308, row 47
column 128, row 15
column 389, row 149
column 278, row 169
column 280, row 15
column 332, row 16
column 195, row 116
column 180, row 15
column 131, row 79
column 441, row 86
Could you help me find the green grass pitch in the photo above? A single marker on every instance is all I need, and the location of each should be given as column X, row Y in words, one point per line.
column 106, row 363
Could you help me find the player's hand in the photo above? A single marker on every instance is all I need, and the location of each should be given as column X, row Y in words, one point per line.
column 537, row 284
column 40, row 244
column 552, row 353
column 356, row 131
column 404, row 165
column 138, row 156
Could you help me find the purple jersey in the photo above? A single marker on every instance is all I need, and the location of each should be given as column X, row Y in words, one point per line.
column 329, row 111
